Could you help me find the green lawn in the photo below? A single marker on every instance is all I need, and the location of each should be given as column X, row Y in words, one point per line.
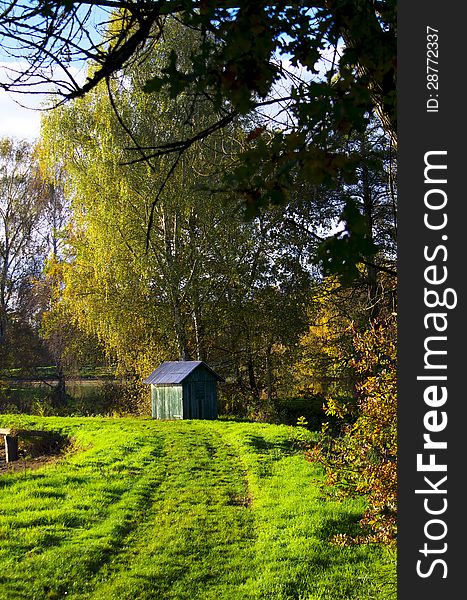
column 179, row 510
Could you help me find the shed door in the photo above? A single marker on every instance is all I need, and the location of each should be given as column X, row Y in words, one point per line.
column 200, row 398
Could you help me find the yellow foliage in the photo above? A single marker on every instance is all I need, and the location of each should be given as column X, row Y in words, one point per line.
column 363, row 458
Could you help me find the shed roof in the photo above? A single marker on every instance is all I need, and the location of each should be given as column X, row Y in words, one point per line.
column 176, row 371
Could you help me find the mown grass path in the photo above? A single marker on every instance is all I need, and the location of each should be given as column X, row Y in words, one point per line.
column 179, row 510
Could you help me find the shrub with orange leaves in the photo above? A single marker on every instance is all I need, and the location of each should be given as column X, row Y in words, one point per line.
column 362, row 459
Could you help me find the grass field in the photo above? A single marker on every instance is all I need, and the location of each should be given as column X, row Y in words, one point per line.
column 180, row 510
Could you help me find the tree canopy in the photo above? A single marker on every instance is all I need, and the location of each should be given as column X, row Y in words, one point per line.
column 313, row 67
column 240, row 40
column 203, row 283
column 22, row 245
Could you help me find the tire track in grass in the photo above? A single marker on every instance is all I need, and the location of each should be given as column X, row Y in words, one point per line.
column 198, row 536
column 162, row 511
column 295, row 560
column 181, row 476
column 60, row 543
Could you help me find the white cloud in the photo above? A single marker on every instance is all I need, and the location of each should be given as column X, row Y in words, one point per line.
column 16, row 121
column 20, row 113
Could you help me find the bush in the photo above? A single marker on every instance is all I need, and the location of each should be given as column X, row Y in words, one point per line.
column 309, row 407
column 112, row 398
column 235, row 402
column 363, row 458
column 82, row 398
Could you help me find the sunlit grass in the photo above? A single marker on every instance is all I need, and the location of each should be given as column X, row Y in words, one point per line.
column 179, row 510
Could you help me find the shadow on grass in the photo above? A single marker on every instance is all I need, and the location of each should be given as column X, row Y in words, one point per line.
column 272, row 448
column 347, row 524
column 25, row 477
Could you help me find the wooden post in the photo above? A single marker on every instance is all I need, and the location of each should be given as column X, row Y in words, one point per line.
column 11, row 448
column 11, row 440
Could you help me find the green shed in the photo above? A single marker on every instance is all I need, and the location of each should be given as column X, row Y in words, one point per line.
column 184, row 390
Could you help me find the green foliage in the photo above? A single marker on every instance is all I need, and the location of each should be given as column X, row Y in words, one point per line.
column 343, row 55
column 363, row 458
column 144, row 509
column 68, row 346
column 321, row 361
column 341, row 253
column 237, row 72
column 301, row 438
column 23, row 348
column 22, row 247
column 174, row 274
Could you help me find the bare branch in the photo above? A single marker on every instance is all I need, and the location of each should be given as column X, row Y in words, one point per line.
column 181, row 145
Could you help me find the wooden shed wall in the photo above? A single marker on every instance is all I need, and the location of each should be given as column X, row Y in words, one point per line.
column 167, row 402
column 199, row 397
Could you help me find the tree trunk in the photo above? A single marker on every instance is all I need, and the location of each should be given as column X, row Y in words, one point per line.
column 180, row 333
column 198, row 336
column 252, row 379
column 269, row 377
column 59, row 393
column 3, row 337
column 361, row 31
column 3, row 302
column 372, row 273
column 3, row 327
